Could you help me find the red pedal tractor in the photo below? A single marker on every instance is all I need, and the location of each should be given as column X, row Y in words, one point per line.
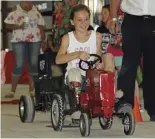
column 98, row 101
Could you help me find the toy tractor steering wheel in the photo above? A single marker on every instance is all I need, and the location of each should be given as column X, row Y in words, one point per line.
column 90, row 63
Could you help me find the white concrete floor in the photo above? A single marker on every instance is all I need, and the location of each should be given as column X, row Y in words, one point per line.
column 11, row 126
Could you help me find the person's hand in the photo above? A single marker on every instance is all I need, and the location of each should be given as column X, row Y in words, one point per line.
column 43, row 45
column 100, row 66
column 84, row 55
column 21, row 26
column 113, row 27
column 42, row 37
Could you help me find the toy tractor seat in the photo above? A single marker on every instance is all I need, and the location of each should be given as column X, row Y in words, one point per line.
column 47, row 66
column 51, row 76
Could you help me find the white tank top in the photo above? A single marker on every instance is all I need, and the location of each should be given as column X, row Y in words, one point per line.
column 74, row 45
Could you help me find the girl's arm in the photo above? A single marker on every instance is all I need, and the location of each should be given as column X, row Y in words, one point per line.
column 98, row 43
column 14, row 26
column 62, row 57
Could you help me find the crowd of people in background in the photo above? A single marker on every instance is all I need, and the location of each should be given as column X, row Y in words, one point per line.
column 31, row 43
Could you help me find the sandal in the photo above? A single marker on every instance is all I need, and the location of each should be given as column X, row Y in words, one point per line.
column 10, row 95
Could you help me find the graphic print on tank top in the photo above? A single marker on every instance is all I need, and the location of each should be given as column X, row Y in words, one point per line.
column 75, row 46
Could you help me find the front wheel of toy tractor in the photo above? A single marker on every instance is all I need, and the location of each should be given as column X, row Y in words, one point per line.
column 129, row 123
column 105, row 123
column 84, row 125
column 26, row 109
column 57, row 112
column 128, row 120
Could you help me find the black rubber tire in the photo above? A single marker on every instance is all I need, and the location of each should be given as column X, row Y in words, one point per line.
column 125, row 110
column 129, row 123
column 57, row 100
column 26, row 109
column 84, row 125
column 105, row 123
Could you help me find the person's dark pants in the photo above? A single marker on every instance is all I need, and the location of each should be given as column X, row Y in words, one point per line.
column 138, row 39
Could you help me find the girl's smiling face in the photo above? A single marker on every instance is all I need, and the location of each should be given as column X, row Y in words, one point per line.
column 81, row 20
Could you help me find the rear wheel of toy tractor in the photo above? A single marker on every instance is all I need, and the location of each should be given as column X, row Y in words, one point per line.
column 129, row 123
column 26, row 109
column 57, row 112
column 105, row 123
column 84, row 124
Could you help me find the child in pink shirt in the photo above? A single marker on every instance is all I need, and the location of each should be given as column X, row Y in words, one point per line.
column 59, row 12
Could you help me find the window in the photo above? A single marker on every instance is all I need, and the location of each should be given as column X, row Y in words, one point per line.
column 42, row 6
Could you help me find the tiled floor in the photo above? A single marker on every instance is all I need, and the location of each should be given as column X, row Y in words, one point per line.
column 11, row 126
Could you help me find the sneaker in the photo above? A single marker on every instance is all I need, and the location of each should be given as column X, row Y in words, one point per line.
column 10, row 95
column 119, row 94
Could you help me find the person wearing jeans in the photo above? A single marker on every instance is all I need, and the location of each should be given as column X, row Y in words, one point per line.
column 27, row 37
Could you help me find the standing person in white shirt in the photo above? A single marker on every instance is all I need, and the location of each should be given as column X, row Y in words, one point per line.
column 27, row 25
column 138, row 32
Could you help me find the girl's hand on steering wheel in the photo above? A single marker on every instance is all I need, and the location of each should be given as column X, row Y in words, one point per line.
column 84, row 55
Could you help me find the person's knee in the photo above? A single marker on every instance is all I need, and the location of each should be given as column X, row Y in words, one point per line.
column 19, row 64
column 74, row 74
column 33, row 65
column 108, row 60
column 56, row 71
column 109, row 56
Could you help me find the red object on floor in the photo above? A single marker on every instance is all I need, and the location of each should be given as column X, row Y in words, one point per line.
column 7, row 66
column 15, row 101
